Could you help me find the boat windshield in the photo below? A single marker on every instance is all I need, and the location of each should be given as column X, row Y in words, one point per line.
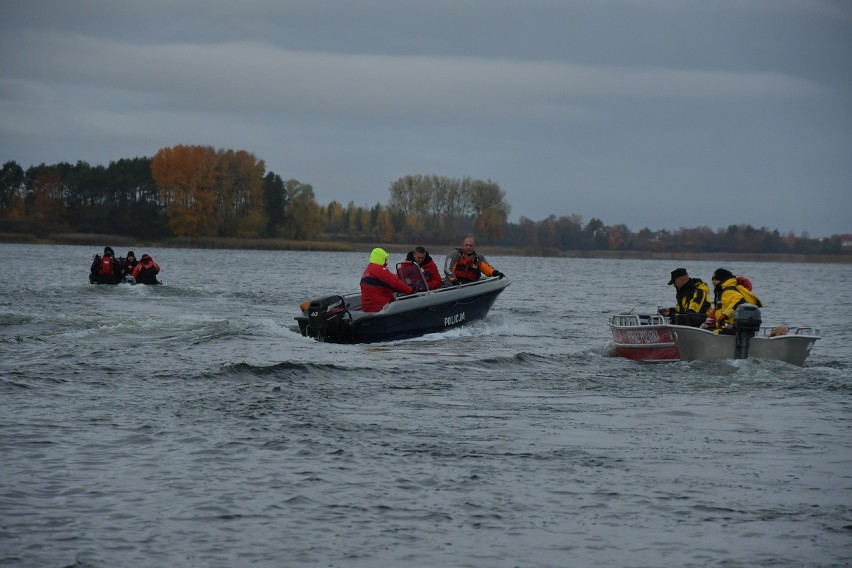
column 411, row 273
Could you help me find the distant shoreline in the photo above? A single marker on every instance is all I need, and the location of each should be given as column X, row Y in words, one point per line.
column 120, row 241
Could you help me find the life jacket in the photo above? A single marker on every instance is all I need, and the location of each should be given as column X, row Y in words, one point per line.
column 742, row 280
column 745, row 291
column 147, row 273
column 467, row 267
column 693, row 297
column 106, row 266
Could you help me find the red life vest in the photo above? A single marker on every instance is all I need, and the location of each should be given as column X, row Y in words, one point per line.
column 106, row 266
column 146, row 272
column 748, row 296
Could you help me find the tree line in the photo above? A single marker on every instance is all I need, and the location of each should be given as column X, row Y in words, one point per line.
column 198, row 191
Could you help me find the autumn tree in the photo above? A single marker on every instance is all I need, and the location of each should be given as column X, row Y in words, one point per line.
column 304, row 218
column 617, row 237
column 365, row 220
column 384, row 224
column 240, row 194
column 353, row 218
column 410, row 200
column 529, row 231
column 186, row 177
column 336, row 221
column 441, row 208
column 595, row 235
column 489, row 208
column 47, row 204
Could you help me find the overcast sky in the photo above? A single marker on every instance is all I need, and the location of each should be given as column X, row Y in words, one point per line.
column 651, row 113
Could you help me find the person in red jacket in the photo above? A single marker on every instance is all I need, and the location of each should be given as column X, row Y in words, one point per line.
column 421, row 257
column 146, row 271
column 378, row 283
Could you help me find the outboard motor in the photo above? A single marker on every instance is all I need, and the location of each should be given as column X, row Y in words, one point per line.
column 325, row 317
column 747, row 322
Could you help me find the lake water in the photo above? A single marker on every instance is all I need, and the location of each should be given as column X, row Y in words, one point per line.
column 188, row 425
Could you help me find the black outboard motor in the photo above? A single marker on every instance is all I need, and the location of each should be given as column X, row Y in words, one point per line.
column 326, row 318
column 747, row 322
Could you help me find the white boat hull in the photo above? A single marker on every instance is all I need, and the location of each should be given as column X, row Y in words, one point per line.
column 696, row 344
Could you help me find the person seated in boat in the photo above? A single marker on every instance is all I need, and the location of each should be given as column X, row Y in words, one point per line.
column 378, row 283
column 465, row 265
column 410, row 275
column 105, row 269
column 130, row 262
column 692, row 297
column 728, row 294
column 146, row 271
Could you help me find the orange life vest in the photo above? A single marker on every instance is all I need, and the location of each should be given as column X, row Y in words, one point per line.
column 467, row 267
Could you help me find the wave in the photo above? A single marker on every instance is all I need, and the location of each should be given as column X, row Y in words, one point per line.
column 281, row 369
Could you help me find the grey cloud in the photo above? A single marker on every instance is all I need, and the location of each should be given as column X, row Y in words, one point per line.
column 611, row 109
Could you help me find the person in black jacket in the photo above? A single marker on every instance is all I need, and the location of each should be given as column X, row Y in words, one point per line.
column 693, row 299
column 130, row 263
column 106, row 269
column 146, row 271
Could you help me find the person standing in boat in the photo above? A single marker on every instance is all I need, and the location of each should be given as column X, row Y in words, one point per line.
column 465, row 265
column 728, row 294
column 146, row 271
column 105, row 269
column 692, row 296
column 378, row 283
column 420, row 256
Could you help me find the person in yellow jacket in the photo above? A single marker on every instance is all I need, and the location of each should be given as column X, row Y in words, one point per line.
column 693, row 299
column 728, row 294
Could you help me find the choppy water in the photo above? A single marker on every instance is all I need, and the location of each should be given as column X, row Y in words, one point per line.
column 187, row 425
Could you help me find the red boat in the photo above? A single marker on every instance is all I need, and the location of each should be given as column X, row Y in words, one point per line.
column 643, row 337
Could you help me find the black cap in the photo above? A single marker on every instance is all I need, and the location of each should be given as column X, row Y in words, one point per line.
column 677, row 273
column 108, row 251
column 131, row 253
column 722, row 274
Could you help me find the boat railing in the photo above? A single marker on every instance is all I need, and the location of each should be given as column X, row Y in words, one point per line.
column 657, row 319
column 624, row 320
column 634, row 320
column 806, row 330
column 772, row 331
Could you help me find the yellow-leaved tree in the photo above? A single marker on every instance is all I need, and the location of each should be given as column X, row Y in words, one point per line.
column 240, row 194
column 186, row 180
column 211, row 193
